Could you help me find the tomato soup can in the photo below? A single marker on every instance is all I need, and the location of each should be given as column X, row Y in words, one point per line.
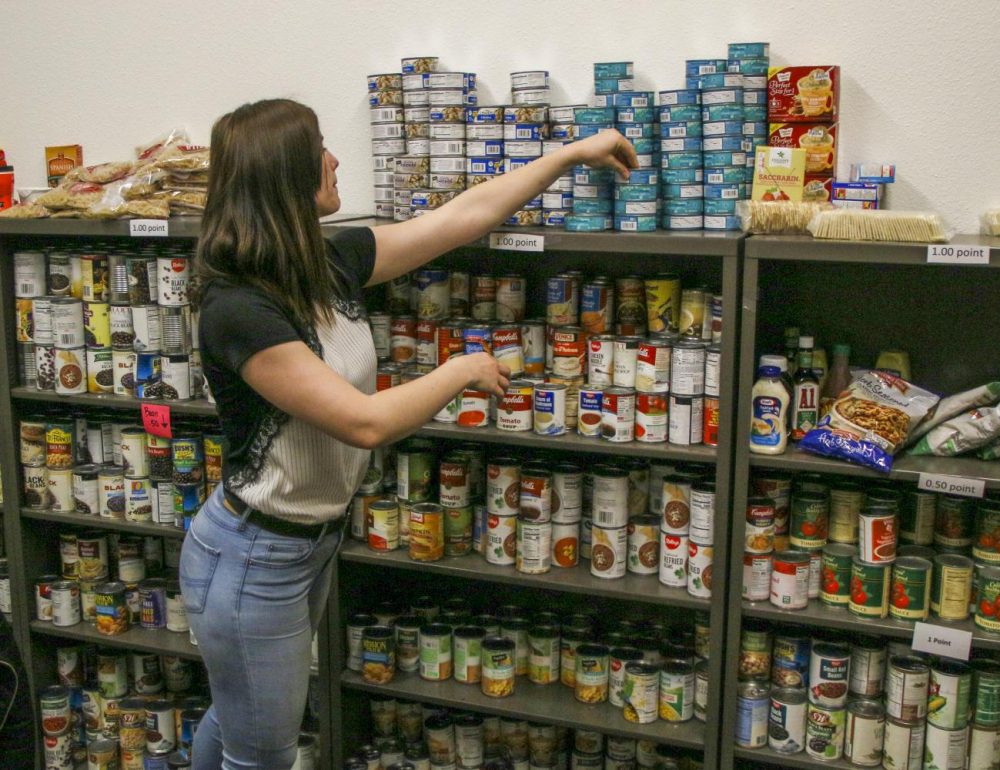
column 699, row 569
column 787, row 720
column 911, row 588
column 877, row 535
column 954, row 521
column 501, row 539
column 864, row 733
column 651, row 417
column 903, row 744
column 685, row 419
column 869, row 659
column 474, row 410
column 869, row 589
column 790, row 580
column 906, row 688
column 609, row 551
column 947, row 747
column 753, row 705
column 673, row 559
column 590, row 399
column 644, row 545
column 825, row 732
column 987, row 615
column 515, row 410
column 618, row 414
column 951, row 586
column 949, row 694
column 836, row 574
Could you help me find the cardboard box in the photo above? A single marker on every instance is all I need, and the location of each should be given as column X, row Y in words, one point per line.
column 60, row 160
column 819, row 140
column 857, row 191
column 817, row 189
column 779, row 174
column 873, row 173
column 803, row 94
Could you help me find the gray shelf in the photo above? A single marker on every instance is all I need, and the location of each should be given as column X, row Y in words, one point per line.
column 803, row 760
column 159, row 641
column 578, row 580
column 571, row 442
column 179, row 227
column 803, row 248
column 553, row 704
column 99, row 522
column 818, row 615
column 198, row 407
column 698, row 243
column 904, row 468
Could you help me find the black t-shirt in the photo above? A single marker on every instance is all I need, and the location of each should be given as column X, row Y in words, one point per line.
column 237, row 321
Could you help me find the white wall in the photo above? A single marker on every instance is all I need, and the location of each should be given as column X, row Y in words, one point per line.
column 920, row 82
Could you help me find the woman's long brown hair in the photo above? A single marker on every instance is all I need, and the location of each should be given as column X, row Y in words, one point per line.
column 261, row 226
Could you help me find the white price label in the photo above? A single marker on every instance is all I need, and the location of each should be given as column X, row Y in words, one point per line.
column 148, row 228
column 951, row 485
column 958, row 255
column 517, row 241
column 942, row 640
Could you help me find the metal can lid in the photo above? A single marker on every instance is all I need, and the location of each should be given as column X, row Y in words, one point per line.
column 868, row 708
column 755, row 688
column 498, row 644
column 794, row 557
column 791, row 696
column 910, row 663
column 378, row 632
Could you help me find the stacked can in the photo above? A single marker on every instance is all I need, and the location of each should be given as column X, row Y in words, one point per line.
column 557, row 200
column 593, row 189
column 484, row 143
column 681, row 174
column 687, row 522
column 526, row 133
column 751, row 60
column 410, row 161
column 386, row 115
column 449, row 95
column 637, row 199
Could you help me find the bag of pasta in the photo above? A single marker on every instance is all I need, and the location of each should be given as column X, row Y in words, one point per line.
column 870, row 420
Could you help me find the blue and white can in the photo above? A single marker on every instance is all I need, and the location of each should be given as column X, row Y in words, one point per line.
column 557, row 200
column 525, row 131
column 484, row 165
column 681, row 175
column 594, row 115
column 484, row 131
column 722, row 222
column 754, row 83
column 681, row 129
column 749, row 50
column 564, row 113
column 754, row 66
column 613, row 85
column 721, row 80
column 725, row 174
column 605, row 190
column 513, row 164
column 754, row 128
column 637, row 130
column 585, row 130
column 554, row 217
column 588, row 223
column 681, row 145
column 684, row 207
column 722, row 96
column 635, row 114
column 592, row 206
column 724, row 158
column 724, row 143
column 563, row 131
column 612, row 69
column 694, row 222
column 636, row 192
column 636, row 224
column 683, row 191
column 624, row 99
column 647, row 160
column 722, row 112
column 679, row 96
column 718, row 206
column 724, row 128
column 681, row 160
column 487, row 148
column 641, row 176
column 723, row 191
column 523, row 149
column 693, row 67
column 485, row 114
column 625, row 208
column 755, row 97
column 755, row 112
column 586, row 175
column 676, row 112
column 643, row 147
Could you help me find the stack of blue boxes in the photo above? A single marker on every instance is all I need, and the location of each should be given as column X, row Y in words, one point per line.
column 680, row 164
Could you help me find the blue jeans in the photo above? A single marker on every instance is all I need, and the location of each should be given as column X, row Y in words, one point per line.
column 254, row 599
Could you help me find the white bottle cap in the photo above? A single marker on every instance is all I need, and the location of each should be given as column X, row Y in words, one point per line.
column 780, row 361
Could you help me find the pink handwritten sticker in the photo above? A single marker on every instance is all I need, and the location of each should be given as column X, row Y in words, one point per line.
column 156, row 420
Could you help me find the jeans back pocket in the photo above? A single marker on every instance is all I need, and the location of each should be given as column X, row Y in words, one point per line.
column 197, row 568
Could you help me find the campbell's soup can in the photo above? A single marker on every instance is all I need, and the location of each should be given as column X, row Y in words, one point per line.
column 507, row 348
column 450, row 340
column 516, row 409
column 426, row 345
column 601, row 359
column 790, row 580
column 403, row 339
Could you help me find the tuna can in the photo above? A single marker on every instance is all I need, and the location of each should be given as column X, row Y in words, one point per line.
column 917, row 513
column 673, row 559
column 906, row 688
column 753, row 703
column 676, row 701
column 986, row 681
column 947, row 748
column 825, row 732
column 864, row 733
column 618, row 414
column 699, row 569
column 643, row 545
column 869, row 657
column 651, row 417
column 549, row 409
column 911, row 588
column 903, row 746
column 829, row 670
column 951, row 586
column 877, row 535
column 609, row 552
column 790, row 580
column 948, row 694
column 835, row 588
column 786, row 729
column 497, row 666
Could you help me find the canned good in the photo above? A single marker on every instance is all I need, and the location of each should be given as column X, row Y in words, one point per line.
column 877, row 535
column 790, row 580
column 550, row 409
column 825, row 732
column 673, row 559
column 903, row 747
column 951, row 586
column 609, row 551
column 906, row 688
column 786, row 730
column 753, row 704
column 949, row 693
column 954, row 521
column 426, row 531
column 869, row 589
column 864, row 733
column 515, row 410
column 618, row 414
column 948, row 748
column 651, row 417
column 536, row 494
column 699, row 569
column 676, row 701
column 378, row 654
column 911, row 588
column 497, row 666
column 829, row 670
column 685, row 419
column 592, row 673
column 987, row 615
column 534, row 546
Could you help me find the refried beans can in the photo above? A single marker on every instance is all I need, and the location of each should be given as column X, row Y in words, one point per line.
column 699, row 569
column 501, row 539
column 673, row 559
column 644, row 545
column 503, row 486
column 618, row 414
column 651, row 417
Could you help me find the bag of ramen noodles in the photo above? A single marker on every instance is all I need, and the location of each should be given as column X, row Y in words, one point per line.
column 870, row 420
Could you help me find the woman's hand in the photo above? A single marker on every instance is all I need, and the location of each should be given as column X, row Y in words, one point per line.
column 608, row 149
column 483, row 372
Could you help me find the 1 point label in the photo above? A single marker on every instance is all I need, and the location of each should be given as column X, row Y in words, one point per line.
column 958, row 255
column 942, row 640
column 148, row 228
column 951, row 485
column 517, row 242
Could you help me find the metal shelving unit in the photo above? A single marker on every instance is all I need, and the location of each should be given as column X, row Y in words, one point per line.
column 552, row 703
column 194, row 408
column 802, row 760
column 869, row 295
column 99, row 522
column 147, row 640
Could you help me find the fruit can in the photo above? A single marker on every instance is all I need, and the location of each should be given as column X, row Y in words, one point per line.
column 869, row 589
column 643, row 545
column 790, row 580
column 756, row 577
column 676, row 701
column 550, row 409
column 864, row 733
column 869, row 657
column 501, row 539
column 699, row 569
column 829, row 671
column 949, row 692
column 589, row 410
column 911, row 588
column 903, row 745
column 753, row 705
column 786, row 729
column 988, row 599
column 651, row 417
column 947, row 748
column 954, row 521
column 986, row 547
column 825, row 732
column 836, row 576
column 951, row 586
column 809, row 520
column 877, row 535
column 673, row 559
column 906, row 688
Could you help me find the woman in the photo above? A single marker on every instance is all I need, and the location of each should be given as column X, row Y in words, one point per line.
column 290, row 360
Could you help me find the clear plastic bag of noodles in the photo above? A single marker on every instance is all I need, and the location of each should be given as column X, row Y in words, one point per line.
column 25, row 211
column 989, row 222
column 72, row 195
column 778, row 217
column 183, row 157
column 113, row 205
column 104, row 173
column 879, row 225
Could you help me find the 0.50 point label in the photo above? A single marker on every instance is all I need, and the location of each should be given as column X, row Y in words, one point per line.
column 951, row 485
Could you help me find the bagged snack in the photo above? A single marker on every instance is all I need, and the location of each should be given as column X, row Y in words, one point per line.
column 990, row 222
column 183, row 157
column 870, row 420
column 25, row 211
column 972, row 430
column 879, row 225
column 951, row 406
column 104, row 172
column 150, row 151
column 778, row 217
column 989, row 452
